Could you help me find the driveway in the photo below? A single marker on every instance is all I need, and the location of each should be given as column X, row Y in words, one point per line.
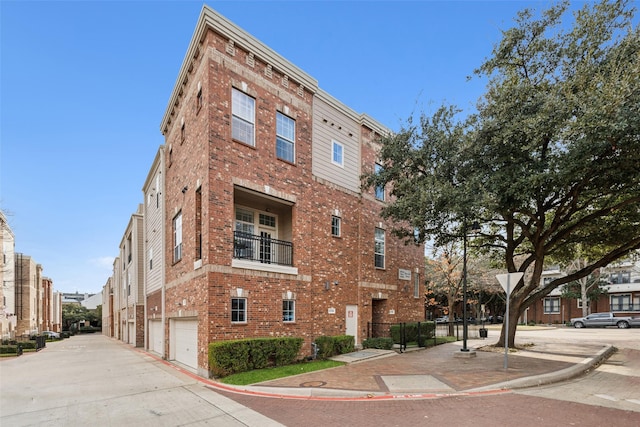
column 92, row 380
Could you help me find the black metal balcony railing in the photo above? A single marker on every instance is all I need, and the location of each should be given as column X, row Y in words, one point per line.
column 262, row 249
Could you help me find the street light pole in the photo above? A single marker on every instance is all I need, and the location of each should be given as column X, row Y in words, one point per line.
column 465, row 326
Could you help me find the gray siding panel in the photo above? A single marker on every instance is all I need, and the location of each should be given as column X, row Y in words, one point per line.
column 329, row 124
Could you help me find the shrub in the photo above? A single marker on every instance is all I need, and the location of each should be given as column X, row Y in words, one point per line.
column 8, row 349
column 230, row 357
column 381, row 343
column 332, row 346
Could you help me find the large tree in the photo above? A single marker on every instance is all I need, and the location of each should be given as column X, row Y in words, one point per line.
column 550, row 161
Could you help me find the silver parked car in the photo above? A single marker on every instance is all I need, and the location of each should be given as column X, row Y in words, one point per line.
column 51, row 334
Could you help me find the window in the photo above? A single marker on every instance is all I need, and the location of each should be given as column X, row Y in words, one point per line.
column 150, row 258
column 379, row 190
column 239, row 310
column 285, row 137
column 337, row 154
column 243, row 111
column 416, row 285
column 620, row 302
column 379, row 248
column 199, row 223
column 288, row 310
column 620, row 277
column 244, row 221
column 129, row 246
column 335, row 226
column 177, row 237
column 182, row 134
column 551, row 305
column 199, row 99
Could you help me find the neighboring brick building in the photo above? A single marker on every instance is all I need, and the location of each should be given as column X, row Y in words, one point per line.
column 267, row 230
column 28, row 276
column 622, row 296
column 154, row 238
column 131, row 293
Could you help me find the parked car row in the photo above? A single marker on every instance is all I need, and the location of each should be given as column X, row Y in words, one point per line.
column 471, row 320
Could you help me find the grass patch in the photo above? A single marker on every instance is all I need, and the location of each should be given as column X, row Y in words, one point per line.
column 259, row 375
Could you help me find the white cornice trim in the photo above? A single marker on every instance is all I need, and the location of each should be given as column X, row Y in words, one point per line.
column 210, row 19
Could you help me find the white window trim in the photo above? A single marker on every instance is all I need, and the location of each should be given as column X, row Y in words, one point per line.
column 286, row 139
column 245, row 311
column 249, row 120
column 333, row 145
column 294, row 311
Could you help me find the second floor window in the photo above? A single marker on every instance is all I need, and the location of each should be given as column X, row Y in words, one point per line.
column 177, row 237
column 285, row 137
column 335, row 226
column 379, row 248
column 243, row 111
column 620, row 277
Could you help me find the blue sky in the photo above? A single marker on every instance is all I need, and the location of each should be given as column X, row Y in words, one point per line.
column 84, row 86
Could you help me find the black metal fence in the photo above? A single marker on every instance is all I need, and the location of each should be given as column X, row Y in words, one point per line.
column 383, row 330
column 263, row 249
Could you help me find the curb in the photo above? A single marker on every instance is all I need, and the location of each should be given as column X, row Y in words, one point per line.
column 553, row 377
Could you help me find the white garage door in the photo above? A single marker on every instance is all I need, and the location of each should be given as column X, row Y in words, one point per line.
column 155, row 336
column 131, row 331
column 185, row 342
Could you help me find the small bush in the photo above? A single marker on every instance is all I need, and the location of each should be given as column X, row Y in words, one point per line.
column 8, row 349
column 229, row 357
column 332, row 346
column 381, row 343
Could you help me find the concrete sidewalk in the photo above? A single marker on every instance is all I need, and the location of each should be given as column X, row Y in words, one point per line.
column 436, row 371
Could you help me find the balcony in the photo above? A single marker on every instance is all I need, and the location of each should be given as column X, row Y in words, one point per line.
column 262, row 249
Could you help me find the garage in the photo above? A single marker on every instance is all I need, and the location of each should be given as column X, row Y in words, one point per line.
column 156, row 336
column 184, row 342
column 131, row 333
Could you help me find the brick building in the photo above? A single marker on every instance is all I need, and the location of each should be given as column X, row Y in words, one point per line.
column 268, row 232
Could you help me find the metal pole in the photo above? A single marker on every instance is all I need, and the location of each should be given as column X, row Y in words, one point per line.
column 506, row 324
column 464, row 291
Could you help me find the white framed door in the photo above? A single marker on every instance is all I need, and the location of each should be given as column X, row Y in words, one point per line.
column 156, row 337
column 351, row 322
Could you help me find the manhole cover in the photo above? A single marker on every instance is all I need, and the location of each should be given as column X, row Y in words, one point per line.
column 313, row 384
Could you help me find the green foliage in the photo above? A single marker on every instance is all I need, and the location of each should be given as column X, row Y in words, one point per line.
column 8, row 349
column 550, row 161
column 335, row 345
column 381, row 343
column 73, row 313
column 228, row 357
column 260, row 375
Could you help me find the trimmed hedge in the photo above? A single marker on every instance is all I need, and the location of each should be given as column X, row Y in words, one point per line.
column 230, row 357
column 8, row 349
column 427, row 331
column 381, row 343
column 332, row 346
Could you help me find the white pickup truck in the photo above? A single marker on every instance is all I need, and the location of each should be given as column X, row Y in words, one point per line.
column 596, row 320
